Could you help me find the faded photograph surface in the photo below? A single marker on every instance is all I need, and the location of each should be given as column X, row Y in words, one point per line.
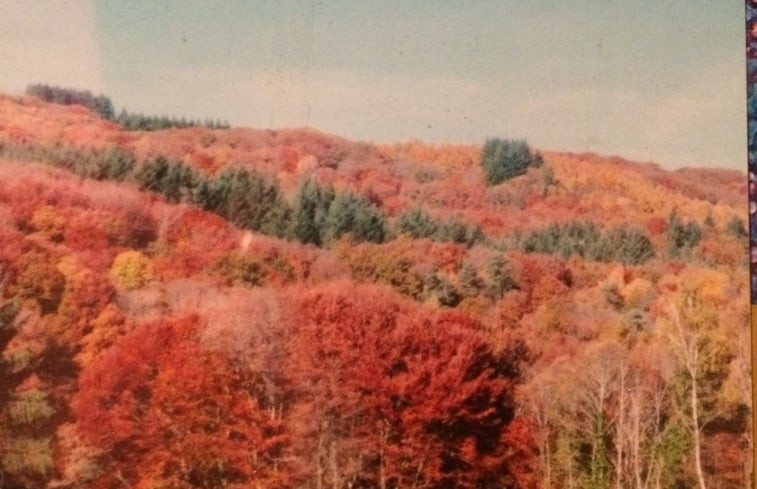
column 376, row 245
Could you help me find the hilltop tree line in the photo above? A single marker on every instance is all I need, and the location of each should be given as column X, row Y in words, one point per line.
column 99, row 104
column 501, row 159
column 132, row 121
column 103, row 106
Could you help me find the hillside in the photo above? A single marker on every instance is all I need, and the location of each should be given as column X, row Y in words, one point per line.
column 249, row 308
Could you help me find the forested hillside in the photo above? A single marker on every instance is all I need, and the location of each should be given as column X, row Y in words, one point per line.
column 203, row 307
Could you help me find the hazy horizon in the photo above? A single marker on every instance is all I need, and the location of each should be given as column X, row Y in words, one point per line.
column 661, row 82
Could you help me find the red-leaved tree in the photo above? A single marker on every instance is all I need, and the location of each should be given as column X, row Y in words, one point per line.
column 166, row 413
column 393, row 395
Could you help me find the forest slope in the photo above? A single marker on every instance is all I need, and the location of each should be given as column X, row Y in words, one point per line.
column 250, row 308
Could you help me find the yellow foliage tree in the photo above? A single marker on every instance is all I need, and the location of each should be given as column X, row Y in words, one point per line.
column 131, row 270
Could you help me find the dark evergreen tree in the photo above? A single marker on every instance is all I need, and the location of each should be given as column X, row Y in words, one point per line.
column 248, row 200
column 175, row 180
column 178, row 182
column 350, row 214
column 369, row 223
column 151, row 174
column 457, row 231
column 277, row 220
column 116, row 164
column 503, row 159
column 418, row 224
column 132, row 121
column 68, row 96
column 736, row 228
column 325, row 197
column 104, row 107
column 306, row 227
column 205, row 195
column 631, row 246
column 584, row 239
column 341, row 216
column 682, row 237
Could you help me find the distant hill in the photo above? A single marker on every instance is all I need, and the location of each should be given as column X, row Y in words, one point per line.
column 241, row 307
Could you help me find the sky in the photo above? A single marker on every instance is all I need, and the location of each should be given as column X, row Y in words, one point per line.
column 649, row 80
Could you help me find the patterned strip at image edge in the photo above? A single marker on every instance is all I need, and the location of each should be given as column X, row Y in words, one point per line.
column 751, row 100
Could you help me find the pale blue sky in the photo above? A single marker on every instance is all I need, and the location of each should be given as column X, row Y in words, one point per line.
column 659, row 80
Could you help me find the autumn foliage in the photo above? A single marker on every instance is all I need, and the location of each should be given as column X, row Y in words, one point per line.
column 245, row 308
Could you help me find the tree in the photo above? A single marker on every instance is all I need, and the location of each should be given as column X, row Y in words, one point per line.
column 692, row 330
column 131, row 270
column 174, row 180
column 26, row 450
column 630, row 245
column 38, row 281
column 311, row 210
column 68, row 96
column 350, row 214
column 736, row 227
column 575, row 405
column 626, row 245
column 499, row 275
column 151, row 174
column 457, row 231
column 306, row 213
column 167, row 413
column 103, row 106
column 115, row 164
column 369, row 224
column 470, row 283
column 178, row 182
column 248, row 200
column 682, row 237
column 399, row 396
column 503, row 159
column 417, row 223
